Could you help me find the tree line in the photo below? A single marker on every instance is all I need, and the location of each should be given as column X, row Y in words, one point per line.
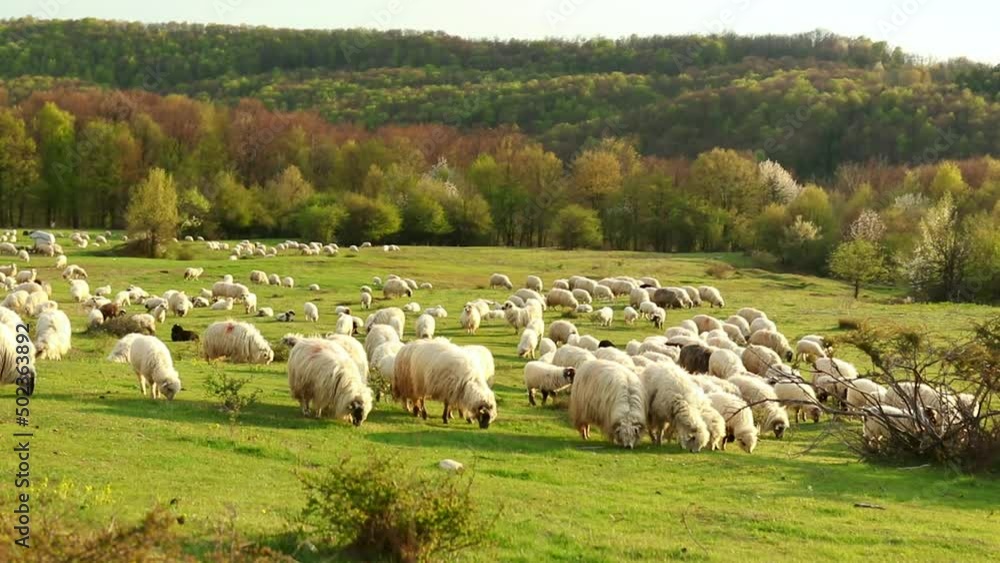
column 88, row 157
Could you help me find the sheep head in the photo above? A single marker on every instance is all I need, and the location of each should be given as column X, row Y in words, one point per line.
column 170, row 388
column 569, row 373
column 627, row 434
column 357, row 409
column 485, row 414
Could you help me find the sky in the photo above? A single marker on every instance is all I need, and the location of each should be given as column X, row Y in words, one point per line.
column 939, row 29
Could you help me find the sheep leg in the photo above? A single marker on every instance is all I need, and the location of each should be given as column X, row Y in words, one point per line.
column 531, row 397
column 304, row 406
column 546, row 395
column 584, row 431
column 142, row 383
column 423, row 410
column 155, row 389
column 446, row 414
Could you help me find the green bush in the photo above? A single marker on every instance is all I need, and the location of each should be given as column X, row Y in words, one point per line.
column 576, row 227
column 229, row 390
column 380, row 509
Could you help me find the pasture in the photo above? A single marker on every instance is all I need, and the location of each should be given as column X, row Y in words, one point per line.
column 102, row 451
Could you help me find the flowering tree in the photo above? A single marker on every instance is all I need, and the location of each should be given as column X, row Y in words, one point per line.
column 778, row 182
column 936, row 270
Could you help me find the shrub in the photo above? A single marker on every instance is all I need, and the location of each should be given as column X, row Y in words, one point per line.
column 720, row 270
column 848, row 324
column 229, row 390
column 373, row 507
column 576, row 227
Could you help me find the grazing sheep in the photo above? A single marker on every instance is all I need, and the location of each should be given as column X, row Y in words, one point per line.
column 377, row 336
column 193, row 273
column 74, row 272
column 587, row 342
column 734, row 334
column 79, row 291
column 311, row 312
column 265, row 312
column 673, row 404
column 61, row 262
column 26, row 276
column 572, row 356
column 762, row 323
column 224, row 304
column 695, row 358
column 396, row 288
column 561, row 284
column 546, row 346
column 470, row 318
column 526, row 294
column 561, row 298
column 288, row 282
column 560, row 331
column 533, row 283
column 549, row 379
column 438, row 312
column 392, row 316
column 712, row 296
column 714, row 422
column 773, row 340
column 800, row 398
column 484, row 359
column 762, row 398
column 322, row 376
column 879, row 419
column 725, row 364
column 529, row 343
column 424, row 326
column 238, row 342
column 103, row 291
column 95, row 318
column 250, row 304
column 831, row 377
column 863, row 392
column 366, row 300
column 750, row 314
column 603, row 293
column 583, row 309
column 693, row 294
column 706, row 323
column 517, row 317
column 180, row 305
column 259, row 278
column 611, row 396
column 440, row 370
column 613, row 354
column 500, row 280
column 671, row 298
column 637, row 297
column 740, row 323
column 344, row 324
column 582, row 296
column 604, row 316
column 759, row 359
column 286, row 317
column 153, row 366
column 52, row 341
column 738, row 417
column 235, row 291
column 809, row 350
column 630, row 315
column 178, row 334
column 411, row 307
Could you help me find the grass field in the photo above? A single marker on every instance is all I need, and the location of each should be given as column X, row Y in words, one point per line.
column 109, row 453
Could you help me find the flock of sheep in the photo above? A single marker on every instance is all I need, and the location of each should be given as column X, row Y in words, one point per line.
column 703, row 382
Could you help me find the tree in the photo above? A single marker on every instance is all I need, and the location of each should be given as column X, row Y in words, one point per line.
column 18, row 167
column 286, row 193
column 424, row 218
column 596, row 174
column 779, row 185
column 319, row 220
column 152, row 213
column 727, row 180
column 857, row 261
column 948, row 180
column 576, row 226
column 56, row 137
column 368, row 219
column 235, row 208
column 938, row 265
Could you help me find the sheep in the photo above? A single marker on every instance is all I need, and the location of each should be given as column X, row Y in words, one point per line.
column 484, row 359
column 265, row 312
column 738, row 417
column 178, row 334
column 724, row 364
column 706, row 323
column 614, row 355
column 762, row 398
column 95, row 318
column 587, row 342
column 527, row 294
column 424, row 326
column 879, row 419
column 159, row 314
column 809, row 350
column 863, row 392
column 470, row 319
column 311, row 312
column 12, row 371
column 529, row 343
column 693, row 294
column 259, row 278
column 322, row 376
column 603, row 293
column 438, row 312
column 26, row 276
column 79, row 291
column 103, row 291
column 750, row 314
column 712, row 296
column 571, row 356
column 236, row 341
column 759, row 359
column 713, row 384
column 604, row 316
column 61, row 262
column 561, row 298
column 630, row 315
column 560, row 331
column 762, row 323
column 366, row 300
column 611, row 396
column 671, row 298
column 673, row 404
column 800, row 398
column 377, row 336
column 734, row 334
column 52, row 340
column 517, row 317
column 355, row 350
column 392, row 316
column 582, row 296
column 440, row 370
column 180, row 305
column 236, row 291
column 224, row 304
column 74, row 272
column 638, row 296
column 549, row 379
column 411, row 307
column 742, row 324
column 193, row 273
column 153, row 366
column 396, row 288
column 546, row 345
column 583, row 309
column 500, row 280
column 533, row 283
column 286, row 317
column 695, row 358
column 773, row 340
column 831, row 377
column 250, row 304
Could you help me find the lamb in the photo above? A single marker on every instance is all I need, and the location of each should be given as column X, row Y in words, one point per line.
column 392, row 316
column 322, row 376
column 561, row 298
column 74, row 272
column 764, row 402
column 673, row 403
column 11, row 372
column 712, row 296
column 533, row 283
column 714, row 422
column 95, row 318
column 438, row 312
column 440, row 370
column 52, row 341
column 193, row 273
column 630, row 315
column 800, row 398
column 153, row 366
column 366, row 300
column 238, row 342
column 311, row 312
column 739, row 419
column 548, row 379
column 759, row 359
column 611, row 396
column 773, row 340
column 470, row 318
column 560, row 331
column 396, row 288
column 529, row 343
column 250, row 304
column 79, row 291
column 224, row 304
column 695, row 358
column 178, row 334
column 604, row 316
column 725, row 364
column 571, row 357
column 424, row 326
column 500, row 280
column 377, row 336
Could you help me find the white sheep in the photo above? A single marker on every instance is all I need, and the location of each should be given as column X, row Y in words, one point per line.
column 546, row 346
column 561, row 298
column 377, row 336
column 560, row 331
column 153, row 366
column 193, row 273
column 533, row 283
column 725, row 364
column 762, row 323
column 180, row 305
column 603, row 293
column 673, row 404
column 739, row 419
column 79, row 290
column 582, row 296
column 438, row 312
column 392, row 316
column 311, row 312
column 611, row 396
column 517, row 317
column 236, row 341
column 61, row 262
column 484, row 359
column 52, row 340
column 470, row 318
column 258, row 277
column 322, row 376
column 224, row 304
column 344, row 324
column 800, row 398
column 394, row 288
column 630, row 315
column 759, row 359
column 809, row 350
column 424, row 326
column 528, row 344
column 74, row 272
column 712, row 296
column 440, row 370
column 547, row 378
column 762, row 398
column 750, row 314
column 250, row 304
column 863, row 392
column 236, row 291
column 95, row 318
column 773, row 340
column 366, row 300
column 160, row 314
column 571, row 356
column 604, row 316
column 500, row 280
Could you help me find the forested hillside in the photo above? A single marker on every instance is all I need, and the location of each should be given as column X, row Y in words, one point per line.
column 788, row 147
